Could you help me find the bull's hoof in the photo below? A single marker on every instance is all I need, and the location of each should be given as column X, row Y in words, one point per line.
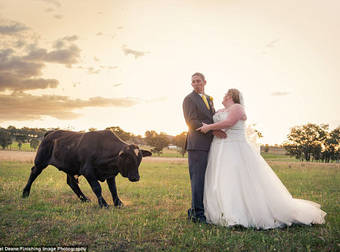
column 104, row 206
column 102, row 203
column 118, row 203
column 85, row 199
column 25, row 194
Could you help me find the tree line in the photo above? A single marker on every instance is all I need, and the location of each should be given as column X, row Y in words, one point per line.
column 312, row 142
column 33, row 136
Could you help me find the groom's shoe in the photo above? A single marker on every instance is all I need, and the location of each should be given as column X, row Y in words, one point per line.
column 195, row 219
column 200, row 220
column 190, row 215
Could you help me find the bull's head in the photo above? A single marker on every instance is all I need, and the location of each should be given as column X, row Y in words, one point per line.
column 129, row 160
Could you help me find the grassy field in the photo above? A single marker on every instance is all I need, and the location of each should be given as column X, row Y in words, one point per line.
column 154, row 215
column 24, row 147
column 168, row 153
column 268, row 156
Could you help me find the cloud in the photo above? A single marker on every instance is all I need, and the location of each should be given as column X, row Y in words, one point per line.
column 62, row 55
column 75, row 84
column 16, row 74
column 49, row 10
column 21, row 106
column 281, row 93
column 71, row 38
column 20, row 43
column 22, row 60
column 60, row 43
column 91, row 70
column 55, row 3
column 270, row 45
column 273, row 43
column 58, row 16
column 8, row 27
column 117, row 85
column 135, row 53
column 16, row 84
column 108, row 67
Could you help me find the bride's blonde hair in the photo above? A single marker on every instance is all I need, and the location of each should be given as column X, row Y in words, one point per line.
column 235, row 95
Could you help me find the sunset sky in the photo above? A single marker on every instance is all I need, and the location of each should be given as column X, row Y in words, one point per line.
column 82, row 64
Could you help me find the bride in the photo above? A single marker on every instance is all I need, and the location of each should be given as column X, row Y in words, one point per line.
column 240, row 187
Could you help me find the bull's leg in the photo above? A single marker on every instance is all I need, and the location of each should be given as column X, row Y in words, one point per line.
column 96, row 188
column 113, row 189
column 35, row 171
column 73, row 183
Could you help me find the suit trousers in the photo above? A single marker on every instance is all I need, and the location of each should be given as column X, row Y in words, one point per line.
column 198, row 160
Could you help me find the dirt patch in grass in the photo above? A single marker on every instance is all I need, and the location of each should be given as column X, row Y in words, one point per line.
column 21, row 156
column 25, row 156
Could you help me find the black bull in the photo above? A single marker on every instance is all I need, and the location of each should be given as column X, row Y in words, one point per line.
column 97, row 155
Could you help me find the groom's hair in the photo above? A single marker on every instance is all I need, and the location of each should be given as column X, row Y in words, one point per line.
column 200, row 75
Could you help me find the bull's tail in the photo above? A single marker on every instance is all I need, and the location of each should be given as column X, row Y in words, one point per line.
column 44, row 152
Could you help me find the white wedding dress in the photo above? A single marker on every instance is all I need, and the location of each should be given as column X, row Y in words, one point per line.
column 241, row 188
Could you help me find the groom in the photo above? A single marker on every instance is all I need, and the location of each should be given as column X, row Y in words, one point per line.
column 198, row 108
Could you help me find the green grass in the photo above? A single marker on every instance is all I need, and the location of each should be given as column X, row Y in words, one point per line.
column 154, row 215
column 24, row 147
column 171, row 153
column 168, row 153
column 268, row 156
column 278, row 157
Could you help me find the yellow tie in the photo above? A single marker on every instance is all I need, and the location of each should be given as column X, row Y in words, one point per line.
column 205, row 101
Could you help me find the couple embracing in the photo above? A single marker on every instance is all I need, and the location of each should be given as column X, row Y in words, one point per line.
column 231, row 183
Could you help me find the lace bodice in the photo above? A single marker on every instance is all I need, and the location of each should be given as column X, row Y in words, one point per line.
column 236, row 132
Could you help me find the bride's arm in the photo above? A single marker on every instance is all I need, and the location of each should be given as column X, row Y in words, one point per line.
column 236, row 112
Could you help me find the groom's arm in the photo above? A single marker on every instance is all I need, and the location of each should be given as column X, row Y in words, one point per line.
column 190, row 114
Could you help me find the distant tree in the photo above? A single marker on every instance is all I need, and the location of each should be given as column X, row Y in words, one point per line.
column 12, row 130
column 34, row 143
column 305, row 142
column 5, row 138
column 19, row 144
column 266, row 148
column 157, row 141
column 137, row 139
column 92, row 129
column 125, row 136
column 179, row 141
column 332, row 146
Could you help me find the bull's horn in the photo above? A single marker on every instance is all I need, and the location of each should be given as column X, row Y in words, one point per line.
column 146, row 153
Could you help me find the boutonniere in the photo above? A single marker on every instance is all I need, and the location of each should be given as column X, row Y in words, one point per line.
column 211, row 103
column 210, row 100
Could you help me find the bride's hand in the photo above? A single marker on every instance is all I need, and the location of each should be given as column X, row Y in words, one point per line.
column 204, row 128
